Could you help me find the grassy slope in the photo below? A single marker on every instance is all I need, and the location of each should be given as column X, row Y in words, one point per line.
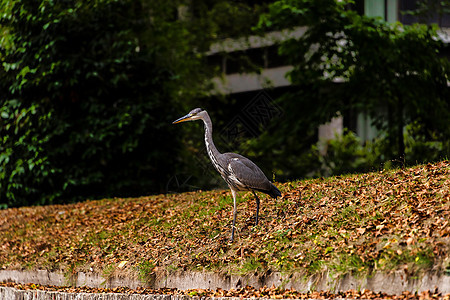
column 357, row 223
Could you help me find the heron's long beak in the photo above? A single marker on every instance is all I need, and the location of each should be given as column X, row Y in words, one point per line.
column 182, row 119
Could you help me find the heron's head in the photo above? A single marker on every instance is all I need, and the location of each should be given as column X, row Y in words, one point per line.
column 195, row 114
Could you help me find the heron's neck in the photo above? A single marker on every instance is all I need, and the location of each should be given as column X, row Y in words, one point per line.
column 210, row 147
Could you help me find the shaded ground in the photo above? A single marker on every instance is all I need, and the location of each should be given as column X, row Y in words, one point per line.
column 382, row 221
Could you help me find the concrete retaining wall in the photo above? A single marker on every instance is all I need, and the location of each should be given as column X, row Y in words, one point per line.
column 394, row 283
column 8, row 293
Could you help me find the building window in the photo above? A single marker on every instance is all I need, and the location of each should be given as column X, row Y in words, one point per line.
column 386, row 9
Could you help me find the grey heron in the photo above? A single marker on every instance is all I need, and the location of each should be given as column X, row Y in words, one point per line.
column 239, row 172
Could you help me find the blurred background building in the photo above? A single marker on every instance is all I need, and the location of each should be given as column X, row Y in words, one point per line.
column 261, row 51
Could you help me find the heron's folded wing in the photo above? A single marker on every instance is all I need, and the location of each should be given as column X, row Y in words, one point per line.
column 249, row 174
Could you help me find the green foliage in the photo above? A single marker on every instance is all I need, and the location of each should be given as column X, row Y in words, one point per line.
column 23, row 158
column 224, row 19
column 421, row 148
column 426, row 10
column 84, row 109
column 346, row 153
column 89, row 90
column 145, row 271
column 394, row 74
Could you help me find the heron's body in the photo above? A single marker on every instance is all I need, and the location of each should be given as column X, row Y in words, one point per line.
column 239, row 172
column 243, row 175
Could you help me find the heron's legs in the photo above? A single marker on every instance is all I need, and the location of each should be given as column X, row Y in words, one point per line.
column 257, row 208
column 233, row 192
